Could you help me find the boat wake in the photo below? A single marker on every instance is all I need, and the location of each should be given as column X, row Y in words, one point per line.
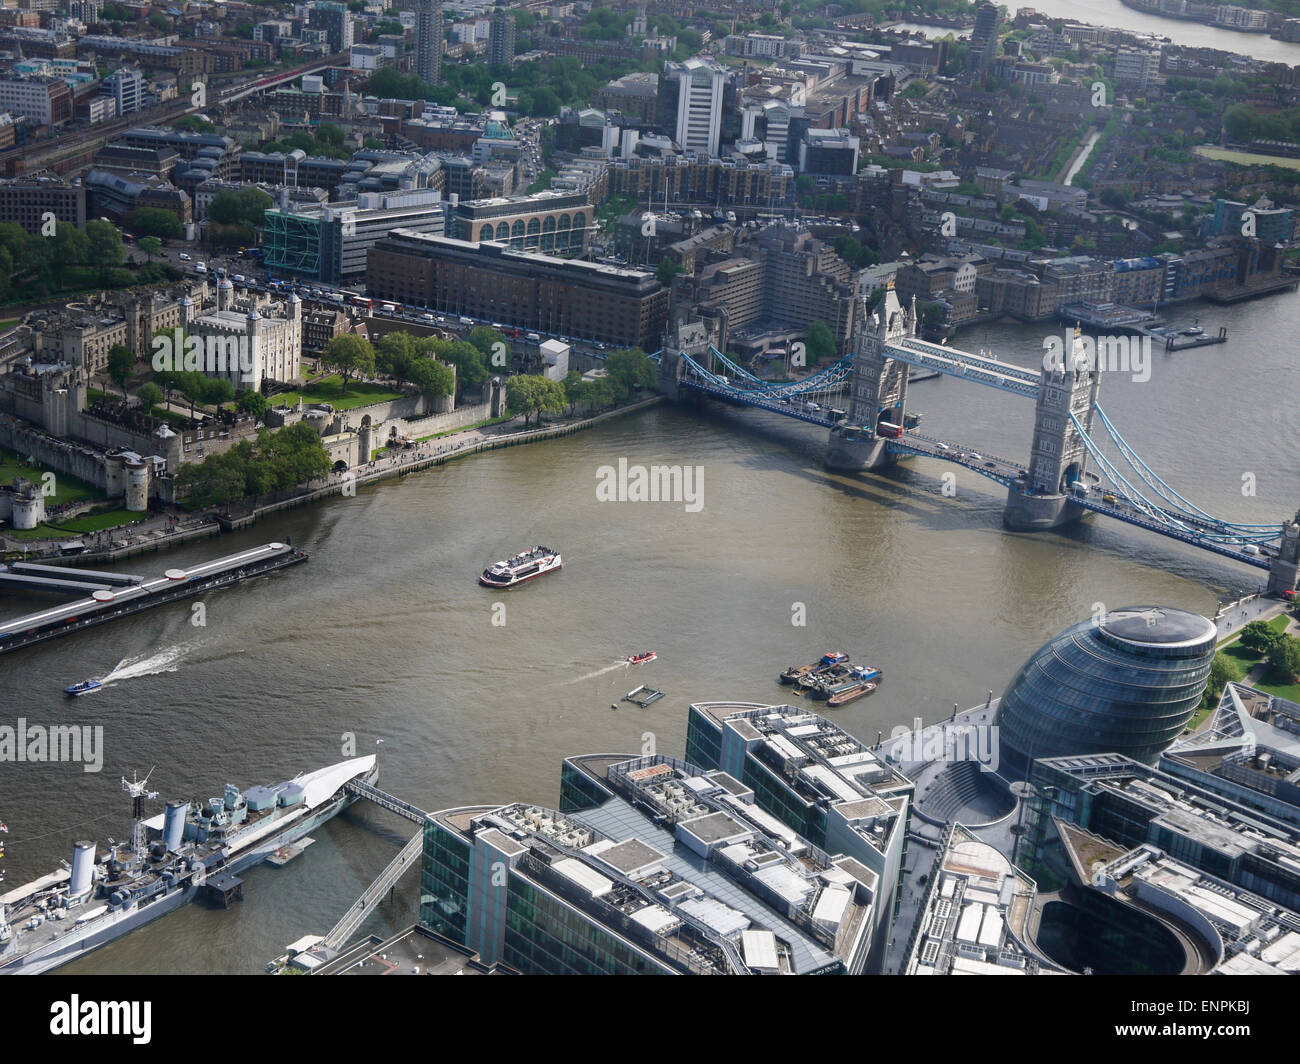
column 168, row 660
column 601, row 672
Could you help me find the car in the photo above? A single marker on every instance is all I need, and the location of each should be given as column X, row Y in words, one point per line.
column 990, row 465
column 1109, row 499
column 975, row 457
column 240, row 278
column 183, row 257
column 812, row 406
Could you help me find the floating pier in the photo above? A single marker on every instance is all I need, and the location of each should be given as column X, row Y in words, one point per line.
column 62, row 580
column 642, row 696
column 108, row 602
column 285, row 854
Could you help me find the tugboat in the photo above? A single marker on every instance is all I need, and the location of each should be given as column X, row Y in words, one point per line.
column 525, row 565
column 796, row 672
column 855, row 676
column 644, row 656
column 83, row 688
column 819, row 679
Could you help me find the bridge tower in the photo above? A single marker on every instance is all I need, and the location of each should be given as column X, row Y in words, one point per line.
column 1058, row 457
column 1284, row 573
column 683, row 340
column 877, row 389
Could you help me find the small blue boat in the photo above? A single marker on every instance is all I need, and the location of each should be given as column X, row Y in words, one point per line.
column 83, row 688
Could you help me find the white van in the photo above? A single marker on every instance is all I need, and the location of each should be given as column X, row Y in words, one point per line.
column 200, row 267
column 184, row 257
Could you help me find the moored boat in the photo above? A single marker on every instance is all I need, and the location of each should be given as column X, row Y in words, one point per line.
column 796, row 672
column 832, row 685
column 851, row 693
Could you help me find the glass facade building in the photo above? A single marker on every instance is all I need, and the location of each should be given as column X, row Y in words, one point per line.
column 1127, row 683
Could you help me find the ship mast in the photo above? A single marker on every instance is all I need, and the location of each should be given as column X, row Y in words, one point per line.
column 138, row 790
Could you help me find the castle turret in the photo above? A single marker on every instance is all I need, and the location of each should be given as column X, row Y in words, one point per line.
column 225, row 294
column 253, row 330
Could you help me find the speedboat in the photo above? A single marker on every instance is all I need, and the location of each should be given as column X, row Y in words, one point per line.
column 83, row 688
column 640, row 659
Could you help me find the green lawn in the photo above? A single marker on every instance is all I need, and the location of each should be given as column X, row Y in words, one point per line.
column 95, row 521
column 330, row 390
column 67, row 488
column 1245, row 158
column 8, row 324
column 1289, row 691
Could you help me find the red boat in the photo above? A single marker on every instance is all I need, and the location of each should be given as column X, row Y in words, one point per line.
column 644, row 656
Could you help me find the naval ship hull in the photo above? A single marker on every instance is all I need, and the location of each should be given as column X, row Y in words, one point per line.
column 101, row 931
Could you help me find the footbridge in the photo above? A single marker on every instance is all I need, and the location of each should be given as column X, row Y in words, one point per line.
column 1079, row 461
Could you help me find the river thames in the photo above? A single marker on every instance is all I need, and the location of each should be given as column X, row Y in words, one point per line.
column 385, row 635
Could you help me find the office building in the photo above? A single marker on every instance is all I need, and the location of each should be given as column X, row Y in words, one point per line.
column 528, row 290
column 330, row 242
column 127, row 87
column 817, row 780
column 652, row 866
column 700, row 85
column 45, row 101
column 1127, row 682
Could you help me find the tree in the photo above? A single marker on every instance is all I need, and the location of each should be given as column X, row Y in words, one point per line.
column 628, row 370
column 68, row 247
column 245, row 207
column 218, row 390
column 667, row 271
column 432, row 377
column 820, row 342
column 121, row 364
column 351, row 355
column 534, row 394
column 1260, row 637
column 573, row 389
column 154, row 221
column 150, row 245
column 105, row 249
column 395, row 353
column 493, row 345
column 1223, row 670
column 150, row 395
column 471, row 365
column 1284, row 658
column 254, row 403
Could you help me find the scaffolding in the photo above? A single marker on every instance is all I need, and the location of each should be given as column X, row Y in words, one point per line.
column 291, row 242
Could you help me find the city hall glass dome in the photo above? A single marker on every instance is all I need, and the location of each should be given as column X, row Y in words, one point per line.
column 1126, row 684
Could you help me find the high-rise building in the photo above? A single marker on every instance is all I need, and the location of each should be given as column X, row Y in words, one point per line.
column 700, row 86
column 984, row 37
column 428, row 40
column 336, row 21
column 501, row 37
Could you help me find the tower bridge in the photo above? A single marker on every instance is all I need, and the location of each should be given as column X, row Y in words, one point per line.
column 1078, row 461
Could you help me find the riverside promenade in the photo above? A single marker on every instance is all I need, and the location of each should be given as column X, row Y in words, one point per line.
column 163, row 531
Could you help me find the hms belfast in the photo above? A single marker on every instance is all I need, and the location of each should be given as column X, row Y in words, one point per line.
column 171, row 858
